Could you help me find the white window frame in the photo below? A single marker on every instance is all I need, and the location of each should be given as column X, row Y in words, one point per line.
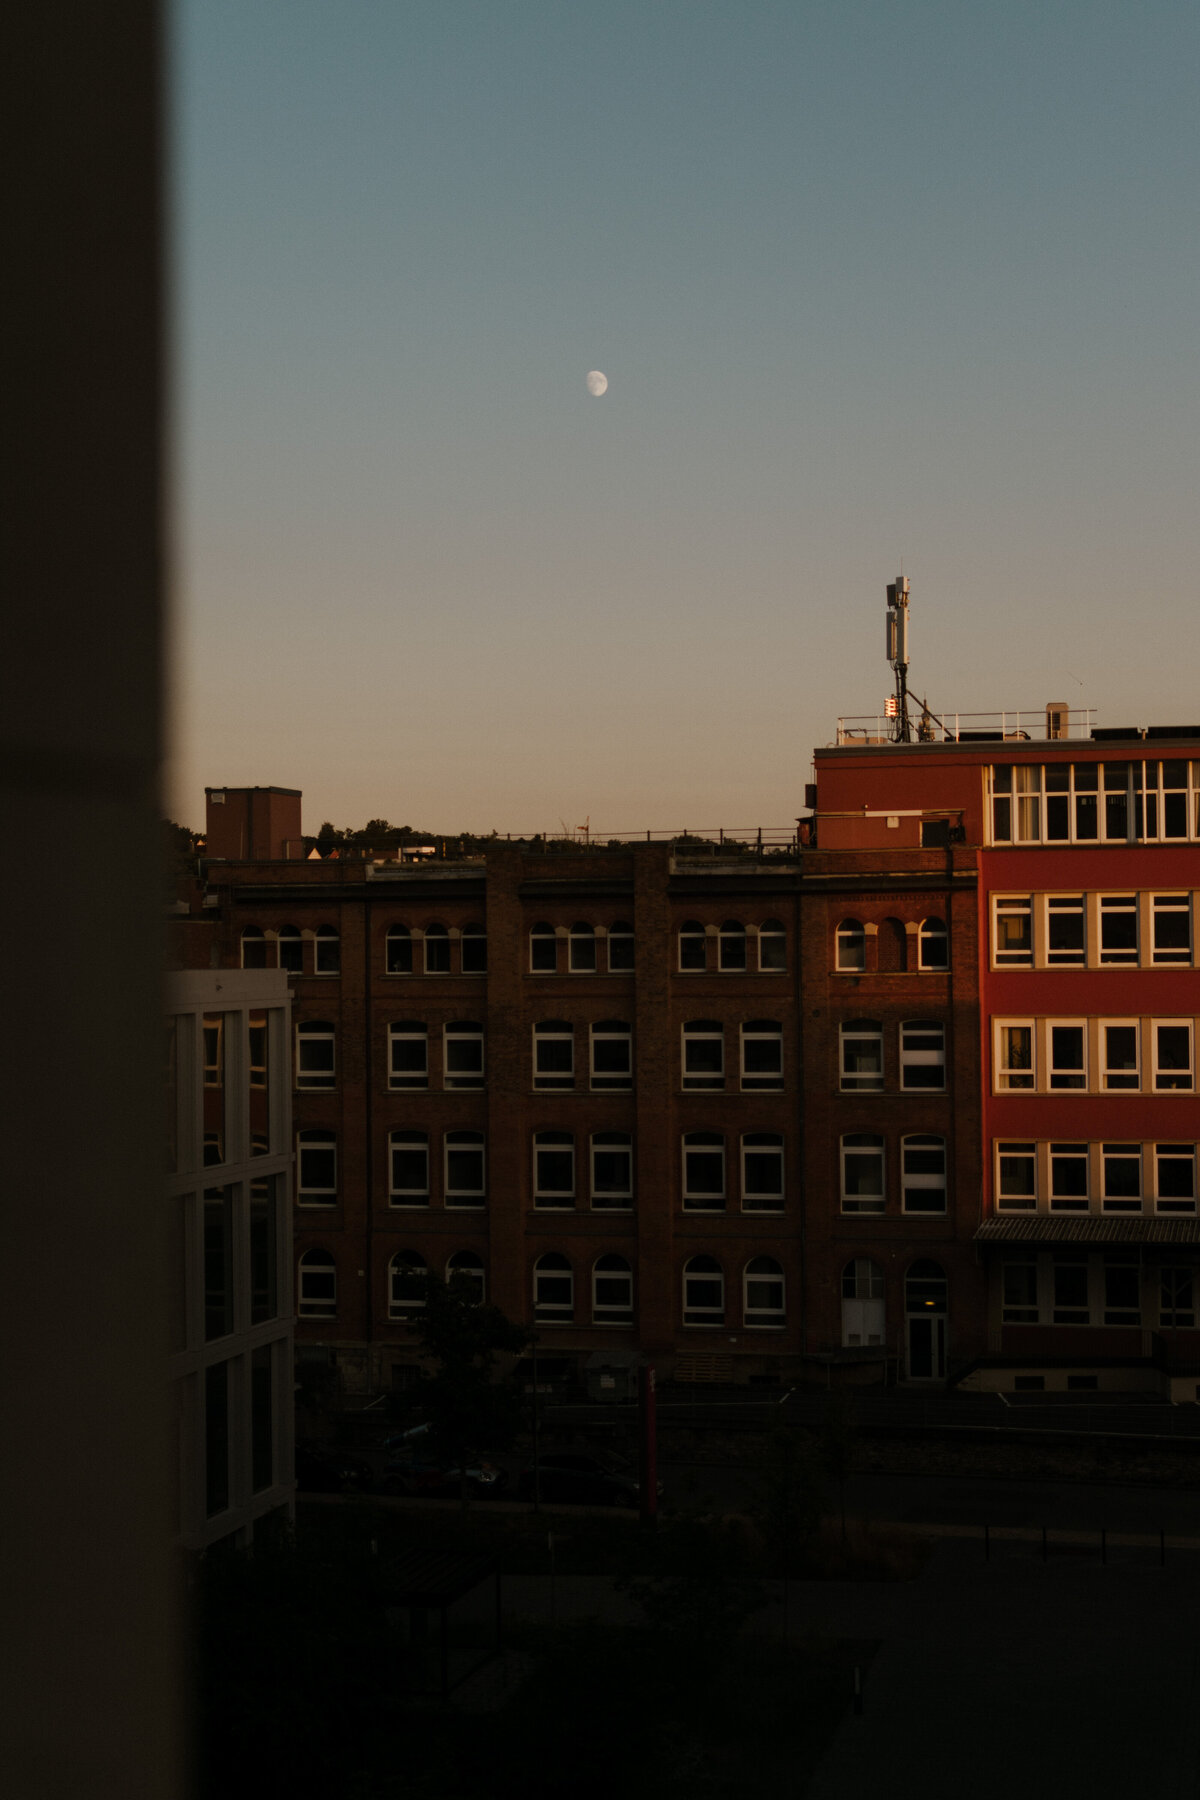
column 761, row 1031
column 857, row 1144
column 772, row 932
column 1066, row 906
column 397, row 936
column 926, row 1057
column 1168, row 907
column 310, row 1033
column 553, row 1199
column 1012, row 1149
column 1120, row 1081
column 707, row 1144
column 1120, row 906
column 543, row 935
column 621, row 932
column 458, row 1034
column 610, row 1032
column 403, row 1264
column 1174, row 1153
column 702, row 1080
column 406, row 1141
column 1070, row 1152
column 583, row 936
column 1124, row 1153
column 758, row 1317
column 1063, row 1311
column 923, row 1181
column 407, row 1031
column 324, row 938
column 289, row 948
column 708, row 1316
column 610, row 1199
column 762, row 1144
column 439, row 934
column 610, row 1312
column 459, row 1143
column 553, row 1312
column 853, row 1082
column 319, row 1142
column 693, row 933
column 734, row 934
column 850, row 947
column 1006, row 906
column 319, row 1263
column 1166, row 1080
column 552, row 1080
column 1069, row 1077
column 933, row 931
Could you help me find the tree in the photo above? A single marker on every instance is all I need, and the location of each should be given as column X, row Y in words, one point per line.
column 468, row 1409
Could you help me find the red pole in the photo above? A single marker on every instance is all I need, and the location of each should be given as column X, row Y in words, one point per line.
column 648, row 1460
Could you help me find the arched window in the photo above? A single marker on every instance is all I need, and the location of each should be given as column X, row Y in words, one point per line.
column 465, row 1171
column 463, row 1052
column 408, row 1054
column 254, row 948
column 620, row 947
column 408, row 1156
column 893, row 947
column 923, row 1174
column 612, row 1054
column 762, row 1053
column 291, row 949
column 554, row 1054
column 553, row 1289
column 704, row 1054
column 317, row 1286
column 772, row 947
column 762, row 1172
column 704, row 1171
column 763, row 1301
column 703, row 1292
column 851, row 946
column 437, row 950
column 934, row 945
column 862, row 1304
column 612, row 1170
column 553, row 1169
column 316, row 1168
column 693, row 952
column 474, row 950
column 466, row 1268
column 583, row 949
column 315, row 1054
column 861, row 1056
column 612, row 1291
column 407, row 1274
column 543, row 948
column 731, row 945
column 399, row 958
column 327, row 951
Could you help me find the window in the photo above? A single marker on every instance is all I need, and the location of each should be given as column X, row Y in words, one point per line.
column 862, row 1056
column 731, row 946
column 612, row 1170
column 315, row 1054
column 851, row 946
column 214, row 1050
column 1085, row 786
column 1177, row 1297
column 612, row 1054
column 1069, row 1183
column 693, row 952
column 923, row 1174
column 553, row 1289
column 922, row 1055
column 1118, row 928
column 1027, row 783
column 933, row 945
column 862, row 1173
column 1119, row 1063
column 1175, row 1178
column 762, row 1053
column 407, row 1275
column 1016, row 1177
column 703, row 1292
column 554, row 1169
column 1068, row 1055
column 398, row 950
column 258, row 1045
column 582, row 950
column 254, row 948
column 465, row 1168
column 763, row 1305
column 218, row 1262
column 620, row 948
column 408, row 1054
column 408, row 1153
column 316, row 1168
column 704, row 1054
column 612, row 1291
column 772, row 947
column 474, row 951
column 762, row 1172
column 1066, row 941
column 327, row 951
column 862, row 1303
column 1013, row 922
column 1001, row 786
column 465, row 1269
column 1172, row 920
column 1070, row 1289
column 462, row 1047
column 1122, row 1177
column 1019, row 1293
column 554, row 1054
column 1167, row 800
column 1116, row 802
column 1173, row 1054
column 1122, row 1293
column 317, row 1287
column 437, row 950
column 704, row 1171
column 291, row 949
column 543, row 949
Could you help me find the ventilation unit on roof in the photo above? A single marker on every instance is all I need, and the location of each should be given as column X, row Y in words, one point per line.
column 1058, row 719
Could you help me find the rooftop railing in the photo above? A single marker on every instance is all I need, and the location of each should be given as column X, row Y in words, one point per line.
column 1033, row 724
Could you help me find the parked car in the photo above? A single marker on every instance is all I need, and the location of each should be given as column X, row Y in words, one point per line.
column 324, row 1471
column 565, row 1477
column 422, row 1476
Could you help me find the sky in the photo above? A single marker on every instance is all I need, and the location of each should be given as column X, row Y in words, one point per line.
column 875, row 283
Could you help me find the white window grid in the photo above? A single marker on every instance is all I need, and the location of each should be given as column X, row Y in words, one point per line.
column 408, row 1168
column 761, row 1046
column 611, row 1054
column 408, row 1055
column 922, row 1056
column 462, row 1052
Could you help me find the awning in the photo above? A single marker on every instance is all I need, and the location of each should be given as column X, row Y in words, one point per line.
column 1037, row 1228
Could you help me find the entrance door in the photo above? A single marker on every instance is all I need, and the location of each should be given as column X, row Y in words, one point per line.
column 927, row 1347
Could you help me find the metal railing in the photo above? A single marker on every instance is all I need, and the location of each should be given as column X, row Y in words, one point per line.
column 1031, row 723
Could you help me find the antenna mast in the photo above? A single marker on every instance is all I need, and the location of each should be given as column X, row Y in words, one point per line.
column 897, row 655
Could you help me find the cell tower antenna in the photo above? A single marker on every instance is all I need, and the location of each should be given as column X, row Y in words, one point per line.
column 897, row 655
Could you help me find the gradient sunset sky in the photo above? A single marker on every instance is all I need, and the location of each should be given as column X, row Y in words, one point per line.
column 870, row 281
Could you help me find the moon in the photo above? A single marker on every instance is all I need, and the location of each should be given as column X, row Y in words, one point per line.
column 597, row 383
